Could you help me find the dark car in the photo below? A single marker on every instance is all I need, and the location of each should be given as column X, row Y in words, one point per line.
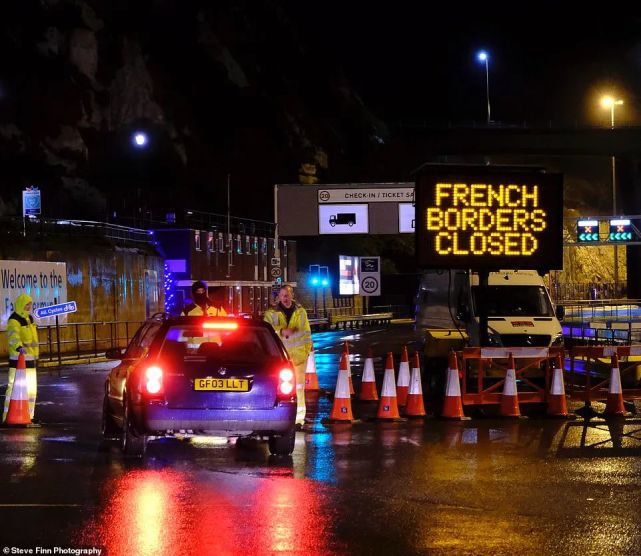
column 201, row 375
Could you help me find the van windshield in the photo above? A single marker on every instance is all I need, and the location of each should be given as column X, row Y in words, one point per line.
column 512, row 301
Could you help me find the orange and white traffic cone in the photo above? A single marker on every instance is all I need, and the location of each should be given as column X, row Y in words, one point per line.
column 509, row 398
column 403, row 382
column 415, row 406
column 368, row 384
column 18, row 413
column 557, row 403
column 452, row 403
column 342, row 408
column 311, row 378
column 614, row 405
column 349, row 370
column 388, row 406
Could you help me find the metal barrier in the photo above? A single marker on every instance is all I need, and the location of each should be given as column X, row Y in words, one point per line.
column 589, row 364
column 81, row 339
column 482, row 388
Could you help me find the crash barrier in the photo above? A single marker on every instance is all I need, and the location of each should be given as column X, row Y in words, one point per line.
column 356, row 321
column 590, row 372
column 484, row 371
column 81, row 339
column 601, row 332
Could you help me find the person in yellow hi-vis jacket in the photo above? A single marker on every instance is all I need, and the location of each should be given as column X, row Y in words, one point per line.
column 22, row 336
column 290, row 322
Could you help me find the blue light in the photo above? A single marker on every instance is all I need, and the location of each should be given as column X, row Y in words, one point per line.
column 482, row 56
column 325, row 283
column 140, row 139
column 314, row 281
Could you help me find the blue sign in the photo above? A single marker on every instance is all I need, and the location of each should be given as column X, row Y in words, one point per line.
column 621, row 230
column 587, row 230
column 31, row 204
column 55, row 310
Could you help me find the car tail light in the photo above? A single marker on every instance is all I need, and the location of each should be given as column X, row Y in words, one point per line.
column 286, row 383
column 153, row 380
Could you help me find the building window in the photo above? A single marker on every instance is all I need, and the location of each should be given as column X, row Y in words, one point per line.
column 210, row 242
column 221, row 243
column 197, row 239
column 284, row 252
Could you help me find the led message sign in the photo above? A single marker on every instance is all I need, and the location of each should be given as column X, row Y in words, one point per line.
column 620, row 230
column 479, row 218
column 587, row 230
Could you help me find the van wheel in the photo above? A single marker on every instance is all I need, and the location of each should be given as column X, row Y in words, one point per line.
column 282, row 445
column 132, row 444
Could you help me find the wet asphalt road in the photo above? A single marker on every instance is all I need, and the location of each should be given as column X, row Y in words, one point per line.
column 485, row 486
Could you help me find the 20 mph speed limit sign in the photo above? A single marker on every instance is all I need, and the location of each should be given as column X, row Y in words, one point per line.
column 370, row 268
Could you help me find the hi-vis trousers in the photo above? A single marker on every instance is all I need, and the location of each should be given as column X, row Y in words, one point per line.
column 32, row 384
column 300, row 393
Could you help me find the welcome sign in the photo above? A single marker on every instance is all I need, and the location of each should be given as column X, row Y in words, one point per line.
column 483, row 219
column 45, row 282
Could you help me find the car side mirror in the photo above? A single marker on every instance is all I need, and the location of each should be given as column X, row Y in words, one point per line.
column 114, row 353
column 560, row 312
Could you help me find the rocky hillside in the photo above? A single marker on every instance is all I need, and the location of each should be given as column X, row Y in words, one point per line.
column 226, row 87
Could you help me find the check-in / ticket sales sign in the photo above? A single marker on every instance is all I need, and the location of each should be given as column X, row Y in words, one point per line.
column 374, row 195
column 489, row 220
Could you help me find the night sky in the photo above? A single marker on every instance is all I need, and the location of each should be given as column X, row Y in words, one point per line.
column 410, row 62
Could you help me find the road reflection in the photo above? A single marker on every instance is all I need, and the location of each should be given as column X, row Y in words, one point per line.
column 149, row 511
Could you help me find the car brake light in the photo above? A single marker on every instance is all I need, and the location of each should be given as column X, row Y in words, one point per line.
column 153, row 380
column 286, row 383
column 220, row 325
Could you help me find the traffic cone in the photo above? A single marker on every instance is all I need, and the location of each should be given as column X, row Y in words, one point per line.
column 388, row 406
column 342, row 408
column 415, row 406
column 452, row 403
column 403, row 383
column 368, row 384
column 18, row 413
column 311, row 378
column 614, row 405
column 509, row 398
column 349, row 370
column 557, row 403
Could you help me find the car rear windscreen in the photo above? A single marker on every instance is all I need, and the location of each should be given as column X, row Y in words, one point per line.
column 244, row 344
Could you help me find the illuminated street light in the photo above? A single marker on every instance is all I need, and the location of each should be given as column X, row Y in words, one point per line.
column 140, row 139
column 484, row 57
column 609, row 102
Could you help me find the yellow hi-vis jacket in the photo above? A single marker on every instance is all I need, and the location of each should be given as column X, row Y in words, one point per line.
column 21, row 330
column 299, row 344
column 193, row 310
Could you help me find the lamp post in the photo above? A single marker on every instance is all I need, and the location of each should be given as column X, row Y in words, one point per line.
column 484, row 57
column 610, row 102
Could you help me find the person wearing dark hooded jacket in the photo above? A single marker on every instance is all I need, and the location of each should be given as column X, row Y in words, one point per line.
column 202, row 305
column 22, row 337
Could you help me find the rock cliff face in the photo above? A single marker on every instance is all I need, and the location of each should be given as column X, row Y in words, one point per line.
column 219, row 87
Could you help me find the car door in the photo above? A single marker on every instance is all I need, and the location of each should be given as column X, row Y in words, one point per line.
column 136, row 350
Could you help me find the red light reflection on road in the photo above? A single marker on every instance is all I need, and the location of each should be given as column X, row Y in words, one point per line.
column 168, row 512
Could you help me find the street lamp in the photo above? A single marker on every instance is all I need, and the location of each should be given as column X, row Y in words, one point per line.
column 484, row 57
column 610, row 102
column 140, row 139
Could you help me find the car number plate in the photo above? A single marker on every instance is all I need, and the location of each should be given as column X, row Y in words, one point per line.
column 222, row 384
